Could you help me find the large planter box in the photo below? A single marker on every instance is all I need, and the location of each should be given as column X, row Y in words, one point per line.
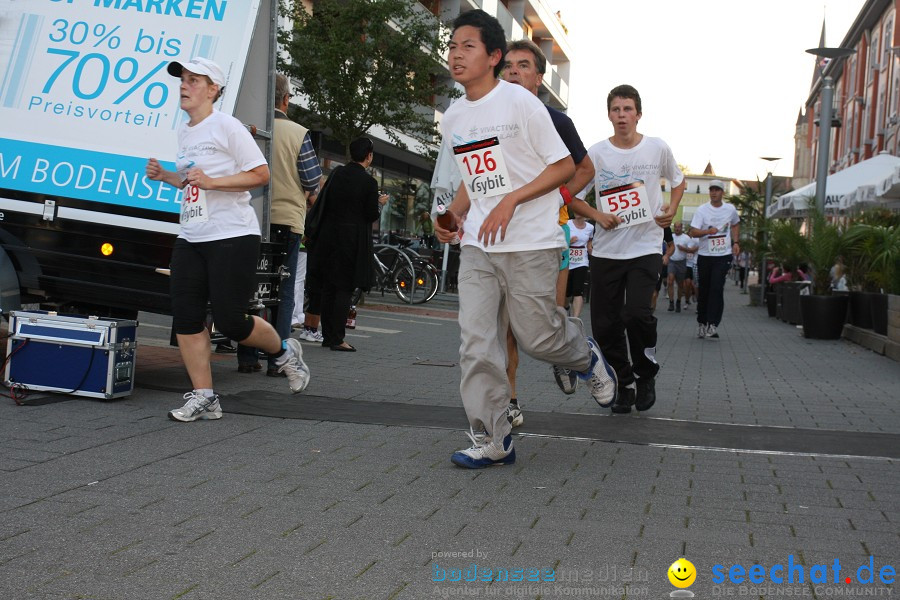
column 790, row 310
column 754, row 292
column 771, row 305
column 823, row 316
column 893, row 329
column 879, row 308
column 861, row 309
column 779, row 301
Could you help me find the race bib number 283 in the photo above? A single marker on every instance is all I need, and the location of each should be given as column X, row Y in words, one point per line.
column 482, row 168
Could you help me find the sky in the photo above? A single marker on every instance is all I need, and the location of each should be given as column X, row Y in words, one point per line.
column 720, row 80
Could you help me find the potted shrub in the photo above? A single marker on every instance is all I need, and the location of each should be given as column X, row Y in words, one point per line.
column 786, row 245
column 823, row 314
column 875, row 249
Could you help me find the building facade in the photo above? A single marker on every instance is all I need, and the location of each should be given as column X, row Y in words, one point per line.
column 866, row 96
column 696, row 192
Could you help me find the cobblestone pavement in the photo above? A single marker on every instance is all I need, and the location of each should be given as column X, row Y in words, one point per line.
column 111, row 500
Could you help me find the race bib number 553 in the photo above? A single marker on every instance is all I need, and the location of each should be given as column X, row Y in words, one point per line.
column 482, row 168
column 628, row 202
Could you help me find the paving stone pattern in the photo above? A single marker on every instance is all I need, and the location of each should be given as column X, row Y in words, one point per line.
column 111, row 500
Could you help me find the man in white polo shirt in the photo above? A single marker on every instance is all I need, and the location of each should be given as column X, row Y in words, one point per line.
column 717, row 227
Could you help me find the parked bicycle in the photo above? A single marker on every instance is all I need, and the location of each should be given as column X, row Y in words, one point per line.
column 411, row 277
column 427, row 279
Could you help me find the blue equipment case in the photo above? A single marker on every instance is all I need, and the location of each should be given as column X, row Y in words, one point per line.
column 84, row 356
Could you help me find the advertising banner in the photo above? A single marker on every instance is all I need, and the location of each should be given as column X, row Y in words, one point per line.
column 85, row 98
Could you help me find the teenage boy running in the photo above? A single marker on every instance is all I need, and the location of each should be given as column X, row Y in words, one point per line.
column 502, row 136
column 626, row 261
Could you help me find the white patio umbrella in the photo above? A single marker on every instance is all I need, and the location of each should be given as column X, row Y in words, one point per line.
column 841, row 187
column 884, row 190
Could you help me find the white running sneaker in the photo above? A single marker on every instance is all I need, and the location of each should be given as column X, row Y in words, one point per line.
column 603, row 378
column 308, row 335
column 197, row 406
column 711, row 331
column 297, row 372
column 701, row 331
column 482, row 455
column 514, row 413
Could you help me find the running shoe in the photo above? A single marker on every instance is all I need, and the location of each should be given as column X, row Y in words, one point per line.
column 482, row 455
column 514, row 413
column 624, row 401
column 293, row 366
column 646, row 393
column 566, row 379
column 310, row 335
column 604, row 382
column 197, row 406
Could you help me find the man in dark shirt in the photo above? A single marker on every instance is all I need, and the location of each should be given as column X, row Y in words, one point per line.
column 525, row 65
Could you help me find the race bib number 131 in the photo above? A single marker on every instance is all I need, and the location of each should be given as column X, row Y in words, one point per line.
column 482, row 168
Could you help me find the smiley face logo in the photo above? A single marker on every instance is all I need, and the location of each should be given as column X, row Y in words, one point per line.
column 682, row 573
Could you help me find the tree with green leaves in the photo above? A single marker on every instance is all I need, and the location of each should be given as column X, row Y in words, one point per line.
column 363, row 63
column 750, row 206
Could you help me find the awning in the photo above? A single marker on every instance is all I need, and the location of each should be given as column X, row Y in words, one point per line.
column 842, row 189
column 885, row 190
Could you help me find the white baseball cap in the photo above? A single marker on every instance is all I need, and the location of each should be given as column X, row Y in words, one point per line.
column 714, row 183
column 201, row 66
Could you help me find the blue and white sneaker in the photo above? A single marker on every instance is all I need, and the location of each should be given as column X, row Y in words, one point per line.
column 197, row 406
column 482, row 454
column 604, row 382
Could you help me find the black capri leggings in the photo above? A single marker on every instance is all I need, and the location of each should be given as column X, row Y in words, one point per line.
column 222, row 272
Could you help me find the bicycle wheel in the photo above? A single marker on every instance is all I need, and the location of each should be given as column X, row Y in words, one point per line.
column 399, row 270
column 417, row 286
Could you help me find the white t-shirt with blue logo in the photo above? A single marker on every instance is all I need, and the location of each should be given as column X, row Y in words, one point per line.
column 528, row 143
column 221, row 146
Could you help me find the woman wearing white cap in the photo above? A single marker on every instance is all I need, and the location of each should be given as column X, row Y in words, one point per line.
column 215, row 255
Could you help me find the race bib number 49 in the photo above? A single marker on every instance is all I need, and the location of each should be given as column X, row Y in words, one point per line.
column 628, row 202
column 482, row 168
column 193, row 206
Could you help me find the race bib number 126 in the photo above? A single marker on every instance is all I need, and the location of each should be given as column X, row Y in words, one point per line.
column 482, row 168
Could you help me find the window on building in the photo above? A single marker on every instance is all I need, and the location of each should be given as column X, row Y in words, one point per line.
column 433, row 5
column 895, row 89
column 873, row 57
column 888, row 36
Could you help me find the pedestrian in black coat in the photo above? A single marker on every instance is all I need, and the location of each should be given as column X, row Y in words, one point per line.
column 341, row 258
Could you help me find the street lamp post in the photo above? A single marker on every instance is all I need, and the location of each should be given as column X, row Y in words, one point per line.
column 765, row 236
column 825, row 116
